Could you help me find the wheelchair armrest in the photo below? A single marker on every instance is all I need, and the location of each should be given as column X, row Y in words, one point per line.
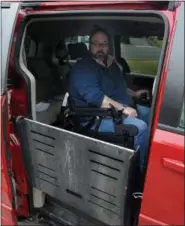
column 83, row 111
column 120, row 128
column 92, row 111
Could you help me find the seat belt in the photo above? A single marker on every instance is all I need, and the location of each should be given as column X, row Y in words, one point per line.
column 24, row 56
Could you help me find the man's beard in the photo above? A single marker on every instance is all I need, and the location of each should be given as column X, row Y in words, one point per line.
column 100, row 56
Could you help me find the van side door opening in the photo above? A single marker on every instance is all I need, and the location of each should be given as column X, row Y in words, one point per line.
column 39, row 132
column 27, row 123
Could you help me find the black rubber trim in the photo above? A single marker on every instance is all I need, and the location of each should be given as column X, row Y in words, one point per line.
column 162, row 6
column 174, row 85
column 5, row 5
column 171, row 129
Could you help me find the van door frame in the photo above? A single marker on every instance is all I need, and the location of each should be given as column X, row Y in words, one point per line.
column 8, row 203
column 18, row 57
column 168, row 139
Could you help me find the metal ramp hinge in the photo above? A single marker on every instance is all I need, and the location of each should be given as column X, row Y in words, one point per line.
column 137, row 195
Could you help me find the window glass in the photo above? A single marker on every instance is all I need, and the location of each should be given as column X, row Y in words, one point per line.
column 182, row 124
column 77, row 39
column 141, row 53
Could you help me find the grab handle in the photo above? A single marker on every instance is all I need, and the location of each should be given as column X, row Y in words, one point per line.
column 174, row 165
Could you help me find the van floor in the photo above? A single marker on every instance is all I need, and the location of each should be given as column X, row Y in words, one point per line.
column 56, row 213
column 32, row 221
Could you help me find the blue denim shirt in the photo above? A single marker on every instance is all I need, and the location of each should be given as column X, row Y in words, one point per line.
column 89, row 82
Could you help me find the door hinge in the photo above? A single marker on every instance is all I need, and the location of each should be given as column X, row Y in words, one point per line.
column 173, row 5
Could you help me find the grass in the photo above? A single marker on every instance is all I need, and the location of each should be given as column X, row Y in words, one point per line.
column 159, row 43
column 156, row 42
column 143, row 66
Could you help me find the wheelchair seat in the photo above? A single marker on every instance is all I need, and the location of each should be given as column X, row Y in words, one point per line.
column 70, row 116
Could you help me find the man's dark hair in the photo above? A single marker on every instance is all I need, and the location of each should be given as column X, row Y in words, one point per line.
column 96, row 30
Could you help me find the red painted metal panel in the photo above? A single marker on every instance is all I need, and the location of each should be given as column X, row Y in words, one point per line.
column 163, row 200
column 8, row 215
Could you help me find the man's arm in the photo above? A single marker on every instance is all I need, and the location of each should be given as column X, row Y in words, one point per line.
column 88, row 87
column 126, row 110
column 131, row 92
column 139, row 93
column 107, row 101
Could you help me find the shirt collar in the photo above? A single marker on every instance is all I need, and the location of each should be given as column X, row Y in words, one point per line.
column 110, row 60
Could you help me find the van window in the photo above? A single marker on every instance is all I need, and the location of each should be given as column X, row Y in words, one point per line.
column 174, row 88
column 182, row 124
column 141, row 53
column 77, row 39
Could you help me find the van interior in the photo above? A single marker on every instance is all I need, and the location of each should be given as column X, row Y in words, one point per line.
column 75, row 177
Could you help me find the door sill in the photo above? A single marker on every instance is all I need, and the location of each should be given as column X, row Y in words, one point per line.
column 62, row 214
column 34, row 220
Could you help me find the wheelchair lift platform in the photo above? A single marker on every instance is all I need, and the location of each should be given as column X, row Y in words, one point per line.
column 84, row 173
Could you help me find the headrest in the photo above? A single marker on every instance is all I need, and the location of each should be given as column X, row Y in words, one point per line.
column 77, row 50
column 53, row 54
column 61, row 50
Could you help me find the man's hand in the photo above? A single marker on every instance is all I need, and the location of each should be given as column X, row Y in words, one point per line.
column 139, row 93
column 131, row 112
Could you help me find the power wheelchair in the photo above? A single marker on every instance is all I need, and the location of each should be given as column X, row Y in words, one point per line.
column 124, row 136
column 71, row 118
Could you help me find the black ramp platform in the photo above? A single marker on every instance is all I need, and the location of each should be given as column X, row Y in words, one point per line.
column 87, row 174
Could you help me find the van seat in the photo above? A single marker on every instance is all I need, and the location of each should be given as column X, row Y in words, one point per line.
column 77, row 51
column 59, row 61
column 41, row 72
column 47, row 89
column 49, row 116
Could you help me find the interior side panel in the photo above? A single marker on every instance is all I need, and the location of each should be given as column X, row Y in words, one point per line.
column 138, row 82
column 84, row 173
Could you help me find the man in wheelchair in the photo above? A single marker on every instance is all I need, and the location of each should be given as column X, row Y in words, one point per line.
column 96, row 82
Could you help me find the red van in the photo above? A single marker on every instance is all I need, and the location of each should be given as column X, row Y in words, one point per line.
column 56, row 176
